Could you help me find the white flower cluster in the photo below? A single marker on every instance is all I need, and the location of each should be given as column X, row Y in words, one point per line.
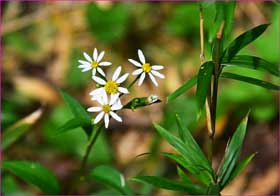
column 110, row 90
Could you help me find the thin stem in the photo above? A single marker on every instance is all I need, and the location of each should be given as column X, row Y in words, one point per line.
column 91, row 142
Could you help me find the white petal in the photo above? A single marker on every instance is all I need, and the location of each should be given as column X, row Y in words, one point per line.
column 141, row 79
column 106, row 120
column 98, row 117
column 115, row 116
column 99, row 80
column 117, row 105
column 114, row 98
column 135, row 63
column 141, row 56
column 94, row 109
column 87, row 57
column 86, row 69
column 93, row 72
column 117, row 73
column 100, row 56
column 83, row 66
column 105, row 63
column 84, row 62
column 123, row 90
column 122, row 78
column 137, row 71
column 104, row 98
column 97, row 92
column 156, row 73
column 101, row 71
column 157, row 67
column 153, row 79
column 95, row 54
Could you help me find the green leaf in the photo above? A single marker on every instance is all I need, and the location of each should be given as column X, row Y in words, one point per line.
column 79, row 112
column 112, row 178
column 214, row 189
column 170, row 184
column 69, row 125
column 107, row 25
column 243, row 40
column 142, row 102
column 182, row 89
column 183, row 176
column 232, row 152
column 16, row 131
column 238, row 168
column 203, row 82
column 252, row 62
column 249, row 80
column 33, row 173
column 195, row 163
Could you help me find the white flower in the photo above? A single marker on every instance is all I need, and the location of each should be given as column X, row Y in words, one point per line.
column 146, row 68
column 106, row 109
column 93, row 63
column 111, row 87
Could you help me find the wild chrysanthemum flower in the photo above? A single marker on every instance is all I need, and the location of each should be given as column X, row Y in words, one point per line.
column 106, row 109
column 93, row 63
column 146, row 68
column 111, row 87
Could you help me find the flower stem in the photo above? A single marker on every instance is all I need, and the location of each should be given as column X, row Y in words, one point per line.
column 90, row 144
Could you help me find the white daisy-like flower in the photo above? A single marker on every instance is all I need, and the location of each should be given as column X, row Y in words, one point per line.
column 93, row 63
column 106, row 109
column 146, row 69
column 111, row 87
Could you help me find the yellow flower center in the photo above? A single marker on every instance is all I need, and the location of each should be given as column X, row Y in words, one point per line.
column 106, row 108
column 94, row 64
column 146, row 67
column 111, row 87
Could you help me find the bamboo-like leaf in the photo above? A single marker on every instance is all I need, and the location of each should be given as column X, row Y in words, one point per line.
column 232, row 152
column 238, row 168
column 243, row 40
column 204, row 82
column 252, row 62
column 182, row 89
column 170, row 184
column 112, row 178
column 195, row 163
column 16, row 131
column 33, row 173
column 69, row 125
column 183, row 176
column 249, row 80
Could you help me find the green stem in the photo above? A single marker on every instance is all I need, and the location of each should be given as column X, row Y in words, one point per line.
column 90, row 144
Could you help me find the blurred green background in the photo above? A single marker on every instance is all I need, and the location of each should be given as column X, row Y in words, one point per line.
column 41, row 44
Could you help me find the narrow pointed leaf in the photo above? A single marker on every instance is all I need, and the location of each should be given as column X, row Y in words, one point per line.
column 203, row 82
column 69, row 125
column 183, row 176
column 238, row 168
column 249, row 80
column 112, row 178
column 170, row 184
column 243, row 40
column 252, row 62
column 182, row 89
column 196, row 164
column 35, row 174
column 232, row 152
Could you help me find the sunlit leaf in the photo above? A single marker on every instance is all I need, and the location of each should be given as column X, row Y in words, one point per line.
column 238, row 168
column 112, row 178
column 16, row 131
column 203, row 82
column 249, row 80
column 195, row 163
column 182, row 89
column 170, row 184
column 232, row 152
column 252, row 62
column 243, row 40
column 33, row 173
